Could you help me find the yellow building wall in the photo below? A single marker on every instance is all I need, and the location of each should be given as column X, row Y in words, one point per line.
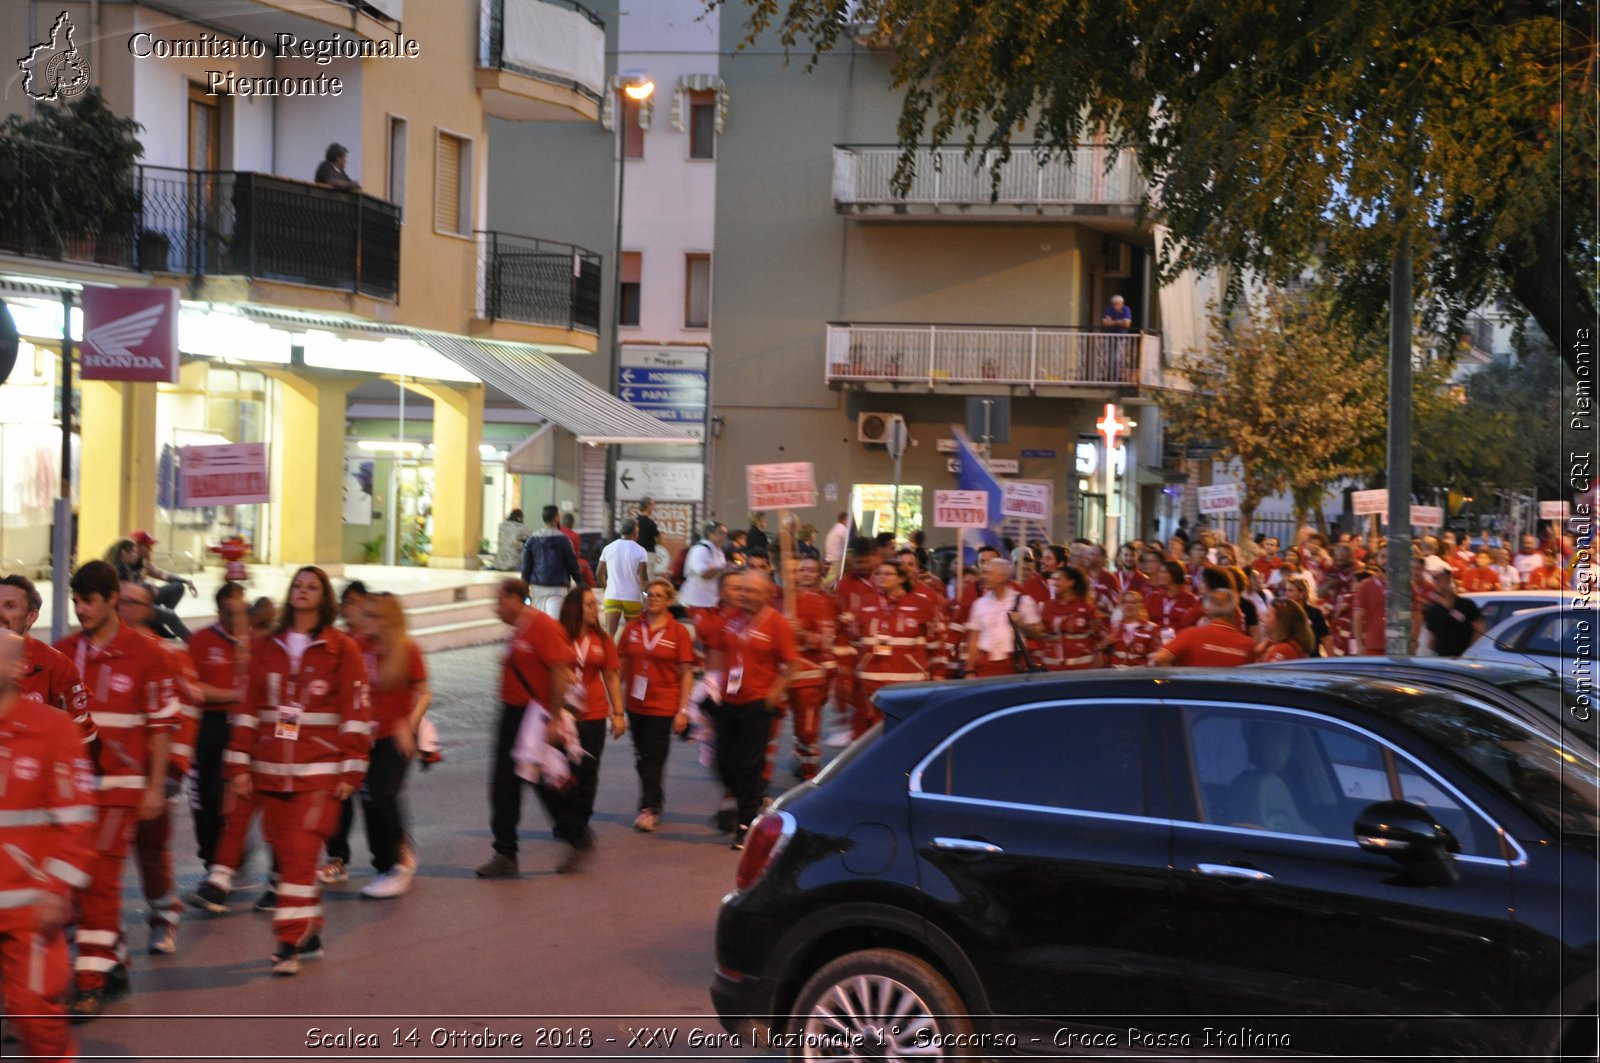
column 117, row 482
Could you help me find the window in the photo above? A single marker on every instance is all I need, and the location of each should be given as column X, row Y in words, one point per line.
column 452, row 197
column 1086, row 758
column 397, row 161
column 703, row 124
column 632, row 131
column 632, row 270
column 697, row 292
column 874, row 508
column 1289, row 774
column 205, row 130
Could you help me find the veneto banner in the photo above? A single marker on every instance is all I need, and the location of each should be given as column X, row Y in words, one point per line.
column 230, row 474
column 960, row 509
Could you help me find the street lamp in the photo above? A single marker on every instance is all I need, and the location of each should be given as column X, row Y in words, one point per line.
column 636, row 86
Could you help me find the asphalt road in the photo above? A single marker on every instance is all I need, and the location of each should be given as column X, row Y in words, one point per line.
column 585, row 961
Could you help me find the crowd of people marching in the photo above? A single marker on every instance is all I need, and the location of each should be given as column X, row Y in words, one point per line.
column 298, row 715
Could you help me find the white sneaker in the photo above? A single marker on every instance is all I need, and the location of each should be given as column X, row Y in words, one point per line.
column 392, row 883
column 838, row 739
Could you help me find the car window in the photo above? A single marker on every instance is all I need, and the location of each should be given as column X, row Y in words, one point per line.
column 1290, row 774
column 1072, row 756
column 1541, row 636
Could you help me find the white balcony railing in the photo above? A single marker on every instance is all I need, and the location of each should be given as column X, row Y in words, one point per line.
column 862, row 176
column 951, row 355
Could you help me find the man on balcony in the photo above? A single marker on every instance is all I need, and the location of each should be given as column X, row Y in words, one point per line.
column 331, row 172
column 1118, row 316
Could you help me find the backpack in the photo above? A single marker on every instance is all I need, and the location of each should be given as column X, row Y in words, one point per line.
column 675, row 573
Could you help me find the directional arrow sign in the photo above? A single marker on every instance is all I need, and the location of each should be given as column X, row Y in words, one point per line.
column 681, row 378
column 663, row 396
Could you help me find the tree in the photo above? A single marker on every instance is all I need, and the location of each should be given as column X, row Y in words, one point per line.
column 1278, row 132
column 1290, row 392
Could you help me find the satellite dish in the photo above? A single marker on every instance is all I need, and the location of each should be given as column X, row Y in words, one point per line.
column 10, row 341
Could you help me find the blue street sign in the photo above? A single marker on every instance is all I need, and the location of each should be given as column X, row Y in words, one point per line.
column 681, row 414
column 640, row 396
column 691, row 378
column 1038, row 453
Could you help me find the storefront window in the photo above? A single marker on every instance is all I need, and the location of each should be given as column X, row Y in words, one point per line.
column 30, row 474
column 874, row 508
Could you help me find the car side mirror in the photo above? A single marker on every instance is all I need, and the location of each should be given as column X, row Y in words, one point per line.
column 1406, row 833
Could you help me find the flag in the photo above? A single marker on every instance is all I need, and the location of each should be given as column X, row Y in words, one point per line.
column 975, row 476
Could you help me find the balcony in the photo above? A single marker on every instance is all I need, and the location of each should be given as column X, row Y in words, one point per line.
column 968, row 359
column 63, row 205
column 537, row 291
column 367, row 20
column 1075, row 184
column 539, row 61
column 221, row 223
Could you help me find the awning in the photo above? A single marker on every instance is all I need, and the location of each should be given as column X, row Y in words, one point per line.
column 303, row 320
column 551, row 390
column 1148, row 477
column 534, row 456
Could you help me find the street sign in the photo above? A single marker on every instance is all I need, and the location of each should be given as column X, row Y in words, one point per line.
column 664, row 481
column 668, row 384
column 960, row 509
column 1553, row 510
column 998, row 466
column 791, row 485
column 1027, row 499
column 1370, row 503
column 1038, row 453
column 950, row 446
column 1220, row 498
column 1427, row 516
column 130, row 334
column 232, row 474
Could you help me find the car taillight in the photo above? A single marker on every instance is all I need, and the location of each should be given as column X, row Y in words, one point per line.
column 761, row 846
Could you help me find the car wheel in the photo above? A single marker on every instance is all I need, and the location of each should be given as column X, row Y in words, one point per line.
column 894, row 1001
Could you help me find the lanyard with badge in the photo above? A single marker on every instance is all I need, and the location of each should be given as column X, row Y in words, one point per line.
column 289, row 710
column 577, row 696
column 641, row 682
column 736, row 672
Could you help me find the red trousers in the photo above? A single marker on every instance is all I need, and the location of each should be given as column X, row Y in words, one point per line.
column 34, row 973
column 864, row 714
column 806, row 705
column 152, row 843
column 986, row 667
column 99, row 935
column 236, row 816
column 297, row 825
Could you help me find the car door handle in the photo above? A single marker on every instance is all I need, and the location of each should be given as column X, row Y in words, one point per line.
column 1230, row 871
column 966, row 845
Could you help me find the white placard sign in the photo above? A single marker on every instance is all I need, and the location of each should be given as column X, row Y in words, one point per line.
column 1220, row 498
column 1553, row 510
column 230, row 474
column 961, row 509
column 1427, row 516
column 791, row 485
column 1370, row 503
column 1025, row 499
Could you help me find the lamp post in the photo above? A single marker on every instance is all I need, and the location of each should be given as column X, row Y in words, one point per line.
column 1111, row 426
column 636, row 86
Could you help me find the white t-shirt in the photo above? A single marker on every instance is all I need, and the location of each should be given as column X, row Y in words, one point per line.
column 622, row 560
column 991, row 618
column 700, row 571
column 298, row 642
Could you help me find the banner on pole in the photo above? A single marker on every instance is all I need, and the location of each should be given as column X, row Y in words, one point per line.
column 1370, row 503
column 1220, row 498
column 791, row 485
column 960, row 509
column 1026, row 499
column 1427, row 516
column 230, row 474
column 1553, row 510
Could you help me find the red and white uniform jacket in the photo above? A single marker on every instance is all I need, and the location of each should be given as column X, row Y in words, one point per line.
column 1338, row 605
column 131, row 698
column 186, row 690
column 1169, row 613
column 932, row 588
column 1075, row 631
column 215, row 654
column 50, row 676
column 307, row 727
column 1106, row 590
column 816, row 637
column 1136, row 641
column 899, row 640
column 47, row 809
column 851, row 596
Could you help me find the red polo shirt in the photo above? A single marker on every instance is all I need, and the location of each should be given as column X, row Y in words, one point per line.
column 536, row 643
column 753, row 648
column 1211, row 645
column 650, row 660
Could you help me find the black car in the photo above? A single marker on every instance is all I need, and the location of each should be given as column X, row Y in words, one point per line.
column 1545, row 699
column 1242, row 861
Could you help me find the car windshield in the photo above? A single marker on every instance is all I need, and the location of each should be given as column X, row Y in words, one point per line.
column 1559, row 787
column 1552, row 699
column 854, row 750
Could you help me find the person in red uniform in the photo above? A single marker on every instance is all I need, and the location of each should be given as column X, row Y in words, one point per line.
column 220, row 667
column 595, row 695
column 538, row 667
column 1075, row 629
column 1268, row 562
column 127, row 678
column 855, row 591
column 657, row 655
column 152, row 839
column 1136, row 637
column 1216, row 642
column 1106, row 587
column 1336, row 593
column 900, row 638
column 932, row 588
column 754, row 653
column 1289, row 636
column 1170, row 604
column 1549, row 577
column 1481, row 576
column 47, row 821
column 300, row 742
column 1143, row 578
column 815, row 623
column 47, row 675
column 1369, row 610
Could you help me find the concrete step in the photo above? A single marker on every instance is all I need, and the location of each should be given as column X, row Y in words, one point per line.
column 424, row 617
column 459, row 635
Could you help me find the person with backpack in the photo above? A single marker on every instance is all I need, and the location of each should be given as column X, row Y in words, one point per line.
column 701, row 567
column 550, row 565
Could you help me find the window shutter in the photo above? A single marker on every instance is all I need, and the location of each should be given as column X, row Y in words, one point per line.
column 447, row 194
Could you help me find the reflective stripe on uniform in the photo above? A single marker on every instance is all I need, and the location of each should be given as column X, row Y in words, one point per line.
column 286, row 889
column 281, row 914
column 307, row 719
column 106, row 938
column 66, row 873
column 122, row 782
column 103, row 964
column 321, row 768
column 355, row 765
column 29, row 817
column 72, row 814
column 20, row 898
column 234, row 757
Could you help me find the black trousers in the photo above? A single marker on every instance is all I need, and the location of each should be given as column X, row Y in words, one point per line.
column 586, row 776
column 380, row 804
column 210, row 742
column 567, row 821
column 652, row 738
column 742, row 734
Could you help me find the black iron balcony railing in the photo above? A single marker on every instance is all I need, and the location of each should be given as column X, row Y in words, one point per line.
column 538, row 282
column 227, row 223
column 492, row 42
column 61, row 204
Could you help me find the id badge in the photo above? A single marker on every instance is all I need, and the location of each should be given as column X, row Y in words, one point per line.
column 735, row 677
column 288, row 722
column 880, row 650
column 636, row 689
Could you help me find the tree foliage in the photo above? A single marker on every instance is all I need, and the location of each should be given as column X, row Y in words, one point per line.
column 1288, row 390
column 1278, row 132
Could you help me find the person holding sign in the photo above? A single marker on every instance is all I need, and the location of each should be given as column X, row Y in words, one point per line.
column 657, row 666
column 754, row 653
column 901, row 633
column 300, row 742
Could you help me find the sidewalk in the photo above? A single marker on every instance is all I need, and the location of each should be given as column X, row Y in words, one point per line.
column 417, row 586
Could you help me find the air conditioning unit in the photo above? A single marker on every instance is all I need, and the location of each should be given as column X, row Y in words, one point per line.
column 1119, row 259
column 874, row 427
